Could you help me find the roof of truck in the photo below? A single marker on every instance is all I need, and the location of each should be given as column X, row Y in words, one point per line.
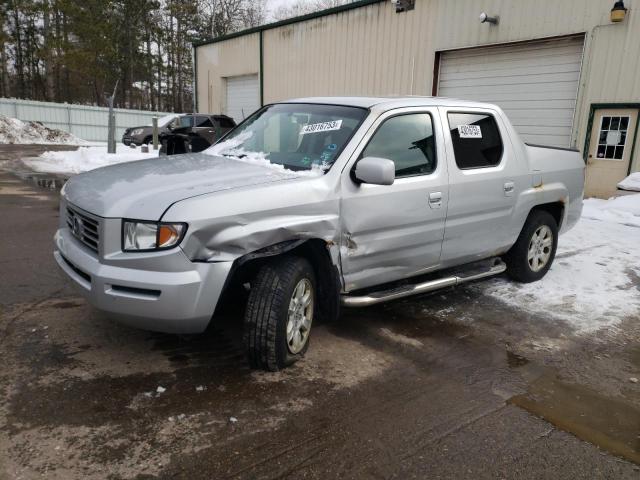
column 388, row 103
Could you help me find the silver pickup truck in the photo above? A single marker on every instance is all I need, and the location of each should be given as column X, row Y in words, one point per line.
column 312, row 204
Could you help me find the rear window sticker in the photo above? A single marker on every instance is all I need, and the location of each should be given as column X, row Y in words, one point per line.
column 321, row 127
column 469, row 131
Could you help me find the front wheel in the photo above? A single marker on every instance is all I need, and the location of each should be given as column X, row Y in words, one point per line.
column 532, row 255
column 280, row 311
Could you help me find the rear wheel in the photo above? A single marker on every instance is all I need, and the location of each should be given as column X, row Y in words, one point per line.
column 280, row 311
column 532, row 255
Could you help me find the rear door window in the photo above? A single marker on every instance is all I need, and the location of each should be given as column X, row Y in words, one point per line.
column 203, row 122
column 476, row 140
column 186, row 121
column 225, row 122
column 408, row 140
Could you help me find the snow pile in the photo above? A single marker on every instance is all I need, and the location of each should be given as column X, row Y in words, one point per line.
column 13, row 130
column 593, row 282
column 232, row 149
column 85, row 158
column 632, row 182
column 624, row 210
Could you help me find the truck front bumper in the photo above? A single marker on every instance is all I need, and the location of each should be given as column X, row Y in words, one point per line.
column 177, row 296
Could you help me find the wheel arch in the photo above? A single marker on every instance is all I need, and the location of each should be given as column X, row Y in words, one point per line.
column 317, row 251
column 555, row 209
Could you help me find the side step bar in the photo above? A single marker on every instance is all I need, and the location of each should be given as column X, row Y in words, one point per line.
column 431, row 285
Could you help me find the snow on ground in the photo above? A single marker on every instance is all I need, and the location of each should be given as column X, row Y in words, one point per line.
column 13, row 130
column 85, row 158
column 595, row 280
column 632, row 182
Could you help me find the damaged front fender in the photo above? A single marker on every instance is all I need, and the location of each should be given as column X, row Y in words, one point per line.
column 226, row 226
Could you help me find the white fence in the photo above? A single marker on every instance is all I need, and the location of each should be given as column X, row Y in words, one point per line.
column 88, row 123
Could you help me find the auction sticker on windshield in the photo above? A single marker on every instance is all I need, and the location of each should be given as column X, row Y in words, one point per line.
column 321, row 127
column 469, row 131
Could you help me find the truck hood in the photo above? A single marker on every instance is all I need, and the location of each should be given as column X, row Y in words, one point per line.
column 144, row 189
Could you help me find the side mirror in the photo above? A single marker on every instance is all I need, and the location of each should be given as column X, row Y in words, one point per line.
column 376, row 171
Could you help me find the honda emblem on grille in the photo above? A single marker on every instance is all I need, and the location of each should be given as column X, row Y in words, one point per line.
column 77, row 226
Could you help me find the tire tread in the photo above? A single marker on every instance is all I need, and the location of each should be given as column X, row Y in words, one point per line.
column 267, row 302
column 516, row 259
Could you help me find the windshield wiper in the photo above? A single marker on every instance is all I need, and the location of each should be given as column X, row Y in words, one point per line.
column 229, row 155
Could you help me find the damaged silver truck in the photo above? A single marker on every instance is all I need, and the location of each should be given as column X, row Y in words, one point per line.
column 314, row 204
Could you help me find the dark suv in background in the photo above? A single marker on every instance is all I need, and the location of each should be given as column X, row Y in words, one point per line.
column 194, row 133
column 144, row 135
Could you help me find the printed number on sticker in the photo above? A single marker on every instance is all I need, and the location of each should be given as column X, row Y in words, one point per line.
column 321, row 127
column 469, row 131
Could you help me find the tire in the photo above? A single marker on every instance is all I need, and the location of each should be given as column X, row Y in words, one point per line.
column 147, row 140
column 532, row 255
column 277, row 287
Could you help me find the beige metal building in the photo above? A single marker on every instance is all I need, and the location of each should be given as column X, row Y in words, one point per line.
column 563, row 71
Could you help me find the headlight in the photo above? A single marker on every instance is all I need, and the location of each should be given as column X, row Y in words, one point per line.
column 137, row 131
column 140, row 236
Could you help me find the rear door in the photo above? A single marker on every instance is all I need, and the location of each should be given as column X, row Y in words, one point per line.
column 484, row 179
column 395, row 231
column 224, row 124
column 204, row 127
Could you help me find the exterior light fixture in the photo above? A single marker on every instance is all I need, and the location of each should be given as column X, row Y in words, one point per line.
column 618, row 12
column 484, row 18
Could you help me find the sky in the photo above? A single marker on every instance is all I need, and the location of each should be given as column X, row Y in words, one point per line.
column 273, row 4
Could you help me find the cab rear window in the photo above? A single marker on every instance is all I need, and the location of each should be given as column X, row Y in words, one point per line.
column 476, row 140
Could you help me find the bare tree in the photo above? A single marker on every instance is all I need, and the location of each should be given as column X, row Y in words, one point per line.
column 304, row 7
column 74, row 51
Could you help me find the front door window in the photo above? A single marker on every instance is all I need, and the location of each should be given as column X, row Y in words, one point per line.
column 612, row 138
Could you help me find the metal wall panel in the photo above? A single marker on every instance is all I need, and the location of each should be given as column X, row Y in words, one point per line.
column 86, row 122
column 217, row 61
column 535, row 83
column 374, row 51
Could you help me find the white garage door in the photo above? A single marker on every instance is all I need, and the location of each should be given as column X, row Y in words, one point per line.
column 243, row 96
column 536, row 84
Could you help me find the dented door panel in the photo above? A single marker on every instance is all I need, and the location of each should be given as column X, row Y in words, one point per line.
column 390, row 232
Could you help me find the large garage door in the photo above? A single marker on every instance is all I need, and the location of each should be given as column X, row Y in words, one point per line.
column 243, row 96
column 535, row 83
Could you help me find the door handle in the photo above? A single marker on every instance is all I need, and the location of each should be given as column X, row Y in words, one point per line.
column 509, row 187
column 435, row 199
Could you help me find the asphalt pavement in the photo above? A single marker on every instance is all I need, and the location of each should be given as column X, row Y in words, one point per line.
column 452, row 385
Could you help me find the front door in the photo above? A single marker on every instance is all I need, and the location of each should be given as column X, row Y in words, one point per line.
column 610, row 145
column 390, row 232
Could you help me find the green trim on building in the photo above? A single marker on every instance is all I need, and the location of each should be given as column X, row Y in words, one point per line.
column 195, row 81
column 261, row 76
column 289, row 21
column 601, row 106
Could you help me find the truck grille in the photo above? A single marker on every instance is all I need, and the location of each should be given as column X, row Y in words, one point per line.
column 84, row 228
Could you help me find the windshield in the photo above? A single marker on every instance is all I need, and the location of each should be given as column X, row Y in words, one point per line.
column 297, row 136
